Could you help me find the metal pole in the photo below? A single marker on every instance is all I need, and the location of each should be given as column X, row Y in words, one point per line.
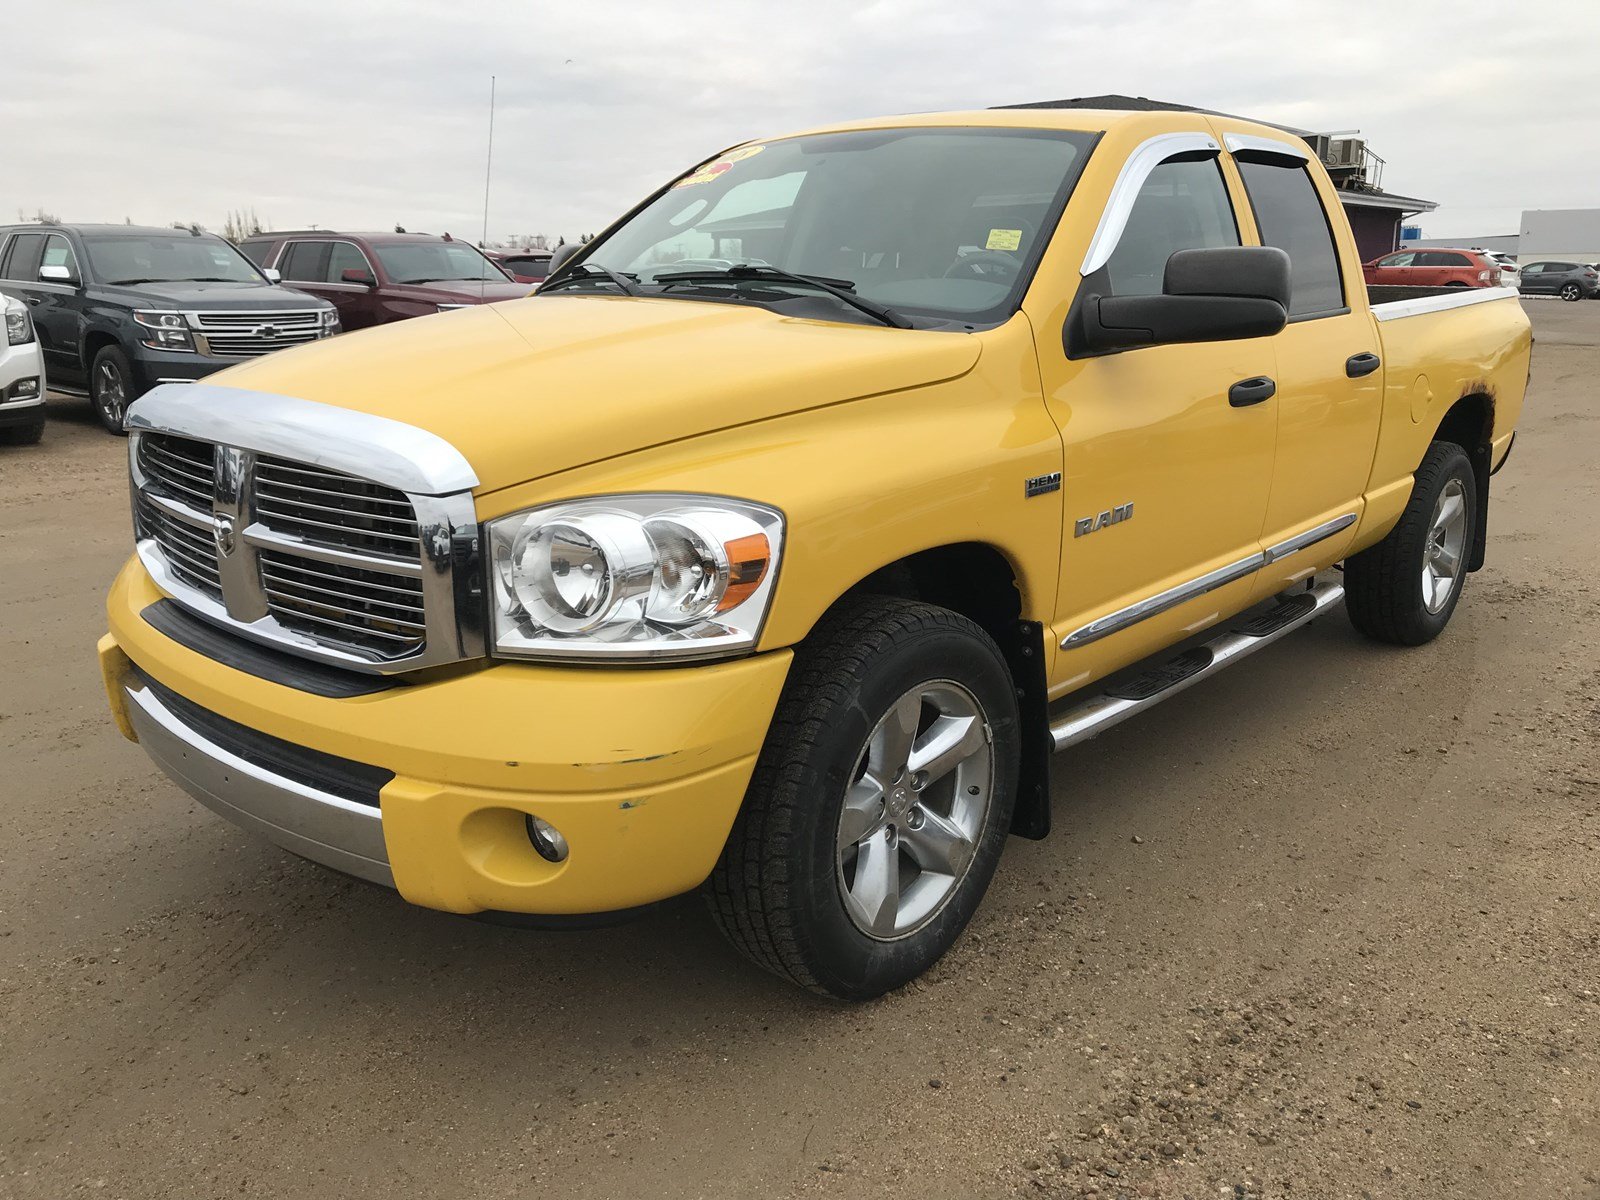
column 488, row 164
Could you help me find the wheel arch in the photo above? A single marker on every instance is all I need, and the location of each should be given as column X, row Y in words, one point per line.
column 979, row 581
column 1469, row 423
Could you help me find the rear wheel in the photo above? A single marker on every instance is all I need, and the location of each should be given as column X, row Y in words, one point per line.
column 111, row 388
column 1571, row 291
column 1405, row 588
column 879, row 805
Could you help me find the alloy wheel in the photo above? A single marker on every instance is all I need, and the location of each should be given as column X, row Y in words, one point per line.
column 913, row 816
column 1445, row 550
column 109, row 392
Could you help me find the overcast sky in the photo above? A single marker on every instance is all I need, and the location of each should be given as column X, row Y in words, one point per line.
column 359, row 114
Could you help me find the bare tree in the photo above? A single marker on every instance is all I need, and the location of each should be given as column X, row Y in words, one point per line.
column 242, row 223
column 39, row 216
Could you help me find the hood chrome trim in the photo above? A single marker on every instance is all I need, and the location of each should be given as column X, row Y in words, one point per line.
column 361, row 444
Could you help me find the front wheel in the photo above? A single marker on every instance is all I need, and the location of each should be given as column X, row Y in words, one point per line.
column 111, row 388
column 1405, row 588
column 1571, row 291
column 879, row 805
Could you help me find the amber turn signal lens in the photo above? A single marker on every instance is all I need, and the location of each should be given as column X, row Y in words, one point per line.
column 748, row 558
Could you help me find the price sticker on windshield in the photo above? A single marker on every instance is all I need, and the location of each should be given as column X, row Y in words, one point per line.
column 706, row 172
column 1003, row 239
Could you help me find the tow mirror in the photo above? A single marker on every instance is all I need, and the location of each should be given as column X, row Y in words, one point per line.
column 1208, row 295
column 357, row 275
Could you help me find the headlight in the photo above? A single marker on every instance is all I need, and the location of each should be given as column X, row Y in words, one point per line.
column 633, row 577
column 19, row 327
column 164, row 330
column 330, row 322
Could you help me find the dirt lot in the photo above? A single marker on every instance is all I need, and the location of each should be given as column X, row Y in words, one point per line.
column 1328, row 926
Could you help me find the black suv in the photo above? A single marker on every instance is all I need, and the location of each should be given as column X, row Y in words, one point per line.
column 119, row 309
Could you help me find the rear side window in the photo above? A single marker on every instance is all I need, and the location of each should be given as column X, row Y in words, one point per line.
column 1290, row 216
column 1442, row 258
column 306, row 262
column 23, row 261
column 1183, row 205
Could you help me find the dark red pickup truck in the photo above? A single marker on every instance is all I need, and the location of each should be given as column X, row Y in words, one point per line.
column 374, row 278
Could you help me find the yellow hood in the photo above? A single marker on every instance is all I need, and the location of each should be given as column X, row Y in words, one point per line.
column 531, row 387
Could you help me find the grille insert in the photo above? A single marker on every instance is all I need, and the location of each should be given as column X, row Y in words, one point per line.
column 251, row 334
column 332, row 560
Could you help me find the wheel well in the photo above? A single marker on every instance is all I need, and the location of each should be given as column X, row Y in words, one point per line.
column 94, row 343
column 977, row 581
column 1470, row 425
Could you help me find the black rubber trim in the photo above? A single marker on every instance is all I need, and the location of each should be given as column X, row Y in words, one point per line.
column 1277, row 617
column 1170, row 673
column 353, row 781
column 261, row 661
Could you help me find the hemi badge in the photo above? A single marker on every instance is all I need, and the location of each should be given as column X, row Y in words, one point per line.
column 1040, row 484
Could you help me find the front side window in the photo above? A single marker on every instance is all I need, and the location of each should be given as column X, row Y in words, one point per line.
column 1290, row 216
column 940, row 223
column 431, row 262
column 130, row 258
column 1183, row 205
column 58, row 253
column 1398, row 260
column 346, row 256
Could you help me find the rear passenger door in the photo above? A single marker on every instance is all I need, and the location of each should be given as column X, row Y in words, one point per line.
column 1330, row 388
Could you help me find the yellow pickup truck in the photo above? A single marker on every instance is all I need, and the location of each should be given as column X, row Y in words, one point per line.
column 775, row 544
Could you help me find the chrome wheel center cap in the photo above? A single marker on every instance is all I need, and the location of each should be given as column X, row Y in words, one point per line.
column 899, row 803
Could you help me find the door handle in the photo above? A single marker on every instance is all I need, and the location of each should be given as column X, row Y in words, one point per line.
column 1252, row 391
column 35, row 299
column 1361, row 364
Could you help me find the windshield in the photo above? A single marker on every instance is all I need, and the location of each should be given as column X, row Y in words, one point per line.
column 947, row 223
column 422, row 262
column 160, row 258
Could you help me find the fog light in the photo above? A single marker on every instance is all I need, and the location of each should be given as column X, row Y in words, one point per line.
column 547, row 840
column 25, row 389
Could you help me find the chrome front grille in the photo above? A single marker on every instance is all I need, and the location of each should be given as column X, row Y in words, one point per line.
column 326, row 563
column 252, row 334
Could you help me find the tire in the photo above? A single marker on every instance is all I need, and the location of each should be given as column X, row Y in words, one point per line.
column 785, row 892
column 1570, row 292
column 1397, row 591
column 111, row 388
column 23, row 435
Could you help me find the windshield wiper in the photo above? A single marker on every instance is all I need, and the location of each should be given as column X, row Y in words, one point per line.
column 131, row 282
column 594, row 272
column 840, row 289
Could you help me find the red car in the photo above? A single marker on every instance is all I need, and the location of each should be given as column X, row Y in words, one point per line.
column 374, row 278
column 525, row 266
column 1434, row 267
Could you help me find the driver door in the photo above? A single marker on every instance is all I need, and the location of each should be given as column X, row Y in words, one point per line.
column 1165, row 480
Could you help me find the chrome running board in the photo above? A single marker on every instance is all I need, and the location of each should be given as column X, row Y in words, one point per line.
column 1112, row 706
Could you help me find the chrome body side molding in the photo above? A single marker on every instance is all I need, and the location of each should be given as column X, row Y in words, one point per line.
column 1159, row 603
column 1146, row 157
column 1310, row 537
column 1099, row 713
column 371, row 447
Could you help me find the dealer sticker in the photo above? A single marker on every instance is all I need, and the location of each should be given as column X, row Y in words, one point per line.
column 706, row 172
column 1003, row 239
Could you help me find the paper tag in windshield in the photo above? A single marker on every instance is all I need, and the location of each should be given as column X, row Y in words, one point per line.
column 706, row 172
column 1003, row 239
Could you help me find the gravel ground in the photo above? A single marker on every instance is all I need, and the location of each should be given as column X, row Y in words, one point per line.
column 1327, row 926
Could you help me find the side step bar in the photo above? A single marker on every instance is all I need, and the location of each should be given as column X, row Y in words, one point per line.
column 1116, row 704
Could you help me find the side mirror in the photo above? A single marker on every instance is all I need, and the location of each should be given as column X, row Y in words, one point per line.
column 357, row 275
column 272, row 274
column 1208, row 295
column 562, row 256
column 55, row 274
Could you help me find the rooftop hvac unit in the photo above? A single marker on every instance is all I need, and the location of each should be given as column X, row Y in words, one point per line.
column 1345, row 152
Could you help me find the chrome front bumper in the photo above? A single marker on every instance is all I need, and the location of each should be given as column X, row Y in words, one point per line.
column 314, row 824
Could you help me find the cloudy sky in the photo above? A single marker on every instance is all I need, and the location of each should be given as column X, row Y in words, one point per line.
column 359, row 114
